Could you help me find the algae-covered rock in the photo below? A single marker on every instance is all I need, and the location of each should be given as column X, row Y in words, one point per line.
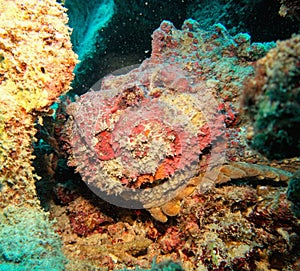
column 272, row 100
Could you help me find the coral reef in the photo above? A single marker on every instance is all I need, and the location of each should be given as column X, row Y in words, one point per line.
column 35, row 82
column 164, row 266
column 16, row 135
column 36, row 64
column 230, row 227
column 168, row 136
column 147, row 128
column 272, row 100
column 234, row 216
column 236, row 238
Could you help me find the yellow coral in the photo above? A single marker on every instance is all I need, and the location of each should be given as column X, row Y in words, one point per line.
column 36, row 64
column 16, row 134
column 35, row 52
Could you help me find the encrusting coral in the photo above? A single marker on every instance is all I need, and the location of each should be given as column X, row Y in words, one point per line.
column 35, row 48
column 36, row 64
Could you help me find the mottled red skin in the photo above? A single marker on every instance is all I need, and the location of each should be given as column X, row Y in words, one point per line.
column 104, row 147
column 204, row 137
column 142, row 89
